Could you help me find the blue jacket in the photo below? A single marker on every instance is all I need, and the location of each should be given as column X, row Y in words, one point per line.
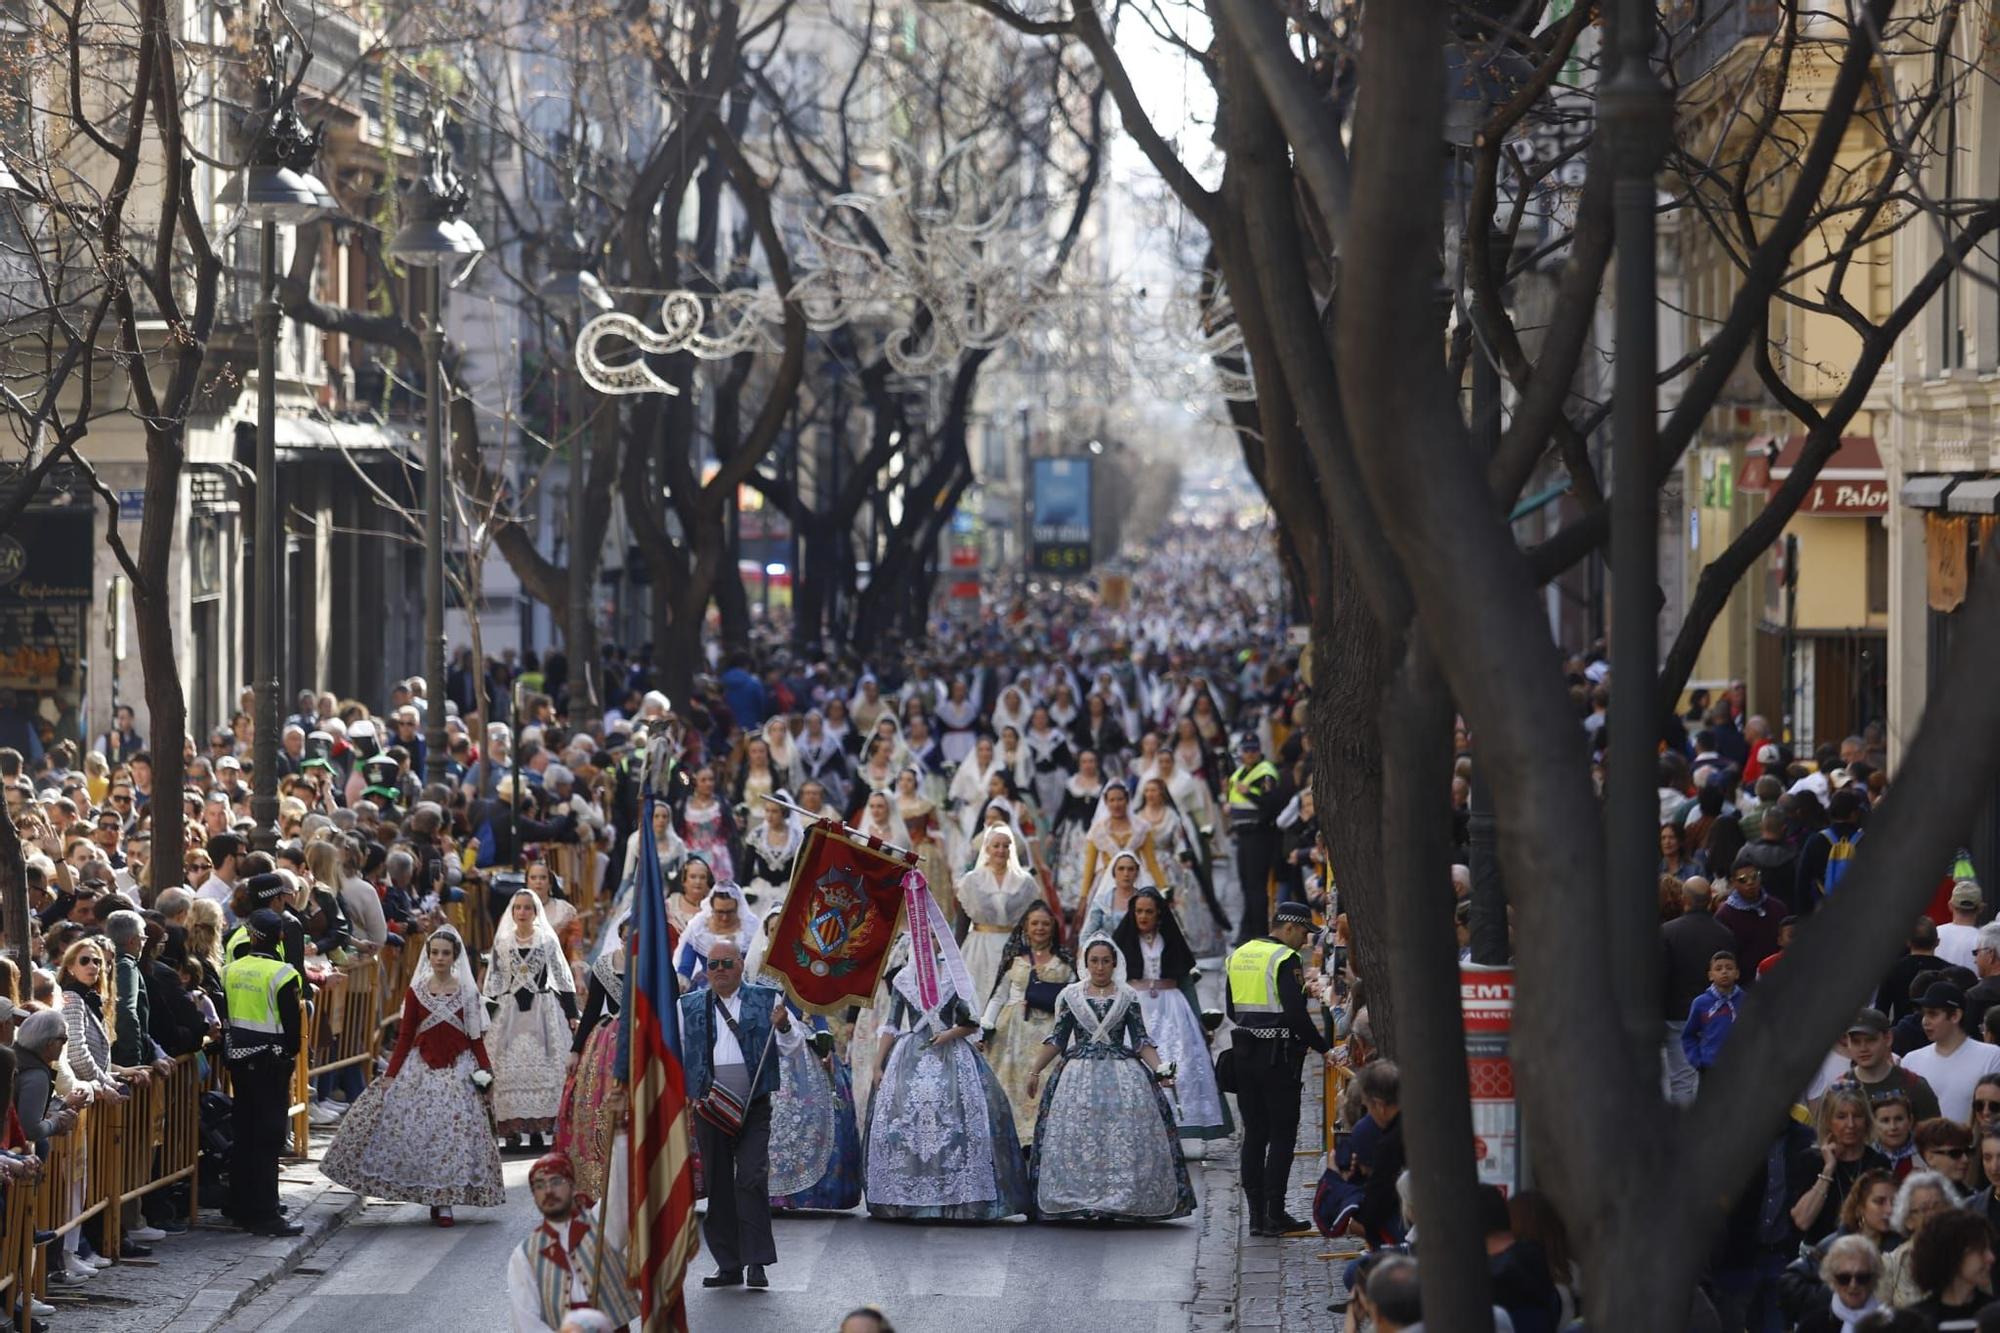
column 1708, row 1022
column 700, row 1023
column 745, row 694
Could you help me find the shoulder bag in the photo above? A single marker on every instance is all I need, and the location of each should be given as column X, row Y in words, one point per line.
column 721, row 1107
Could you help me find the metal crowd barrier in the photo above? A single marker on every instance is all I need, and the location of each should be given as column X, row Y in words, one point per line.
column 346, row 1011
column 575, row 864
column 160, row 1129
column 17, row 1250
column 117, row 1152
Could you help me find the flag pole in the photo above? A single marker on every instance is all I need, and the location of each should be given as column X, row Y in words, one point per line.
column 853, row 833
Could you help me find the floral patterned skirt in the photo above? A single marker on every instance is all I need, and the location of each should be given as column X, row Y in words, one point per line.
column 1017, row 1040
column 584, row 1128
column 422, row 1137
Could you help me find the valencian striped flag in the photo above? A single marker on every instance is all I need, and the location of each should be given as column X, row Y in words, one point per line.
column 663, row 1236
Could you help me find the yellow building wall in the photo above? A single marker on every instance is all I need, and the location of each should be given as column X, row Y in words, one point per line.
column 1833, row 574
column 1716, row 504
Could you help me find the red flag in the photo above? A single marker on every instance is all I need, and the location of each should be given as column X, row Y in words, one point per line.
column 841, row 913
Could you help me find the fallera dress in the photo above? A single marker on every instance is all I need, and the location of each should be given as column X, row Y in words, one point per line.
column 941, row 1141
column 583, row 1129
column 1106, row 1146
column 1169, row 1013
column 1021, row 1021
column 992, row 903
column 815, row 1142
column 531, row 994
column 422, row 1135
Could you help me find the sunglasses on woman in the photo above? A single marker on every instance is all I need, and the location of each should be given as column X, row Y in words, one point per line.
column 1854, row 1279
column 1956, row 1154
column 1985, row 1108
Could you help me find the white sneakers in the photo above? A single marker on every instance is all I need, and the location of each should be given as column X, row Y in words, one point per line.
column 325, row 1113
column 145, row 1235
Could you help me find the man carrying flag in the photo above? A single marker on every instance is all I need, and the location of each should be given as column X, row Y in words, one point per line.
column 662, row 1231
column 731, row 1030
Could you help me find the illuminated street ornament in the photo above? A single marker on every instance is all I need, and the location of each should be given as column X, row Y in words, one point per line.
column 948, row 268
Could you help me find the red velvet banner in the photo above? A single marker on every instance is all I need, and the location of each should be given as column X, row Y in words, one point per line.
column 840, row 917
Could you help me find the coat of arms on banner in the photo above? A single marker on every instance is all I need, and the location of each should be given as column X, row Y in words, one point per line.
column 841, row 928
column 831, row 942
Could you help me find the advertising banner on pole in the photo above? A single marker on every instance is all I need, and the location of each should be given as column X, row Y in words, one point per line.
column 1059, row 516
column 1486, row 995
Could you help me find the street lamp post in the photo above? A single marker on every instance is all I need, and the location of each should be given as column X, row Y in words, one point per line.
column 1636, row 112
column 433, row 235
column 276, row 188
column 573, row 292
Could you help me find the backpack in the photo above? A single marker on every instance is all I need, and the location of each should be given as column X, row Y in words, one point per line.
column 1840, row 853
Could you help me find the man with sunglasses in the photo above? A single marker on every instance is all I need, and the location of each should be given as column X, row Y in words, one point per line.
column 1984, row 993
column 727, row 1029
column 109, row 835
column 1750, row 914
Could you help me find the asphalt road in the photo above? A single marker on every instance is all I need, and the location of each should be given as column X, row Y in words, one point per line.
column 391, row 1269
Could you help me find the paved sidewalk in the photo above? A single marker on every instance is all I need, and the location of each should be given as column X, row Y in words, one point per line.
column 1263, row 1284
column 197, row 1280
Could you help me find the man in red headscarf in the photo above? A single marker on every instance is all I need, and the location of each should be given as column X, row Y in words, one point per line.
column 559, row 1268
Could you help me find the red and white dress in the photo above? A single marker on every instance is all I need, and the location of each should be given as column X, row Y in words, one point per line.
column 422, row 1134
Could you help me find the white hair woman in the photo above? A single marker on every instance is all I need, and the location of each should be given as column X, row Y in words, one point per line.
column 1852, row 1272
column 1923, row 1195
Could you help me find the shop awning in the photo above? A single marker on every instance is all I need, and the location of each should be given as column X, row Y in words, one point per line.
column 1852, row 482
column 1928, row 491
column 298, row 436
column 1975, row 495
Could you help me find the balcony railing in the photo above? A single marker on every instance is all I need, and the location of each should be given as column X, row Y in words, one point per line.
column 1705, row 31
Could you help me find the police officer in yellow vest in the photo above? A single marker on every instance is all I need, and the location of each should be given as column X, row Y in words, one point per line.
column 1267, row 1002
column 1255, row 800
column 277, row 891
column 260, row 1043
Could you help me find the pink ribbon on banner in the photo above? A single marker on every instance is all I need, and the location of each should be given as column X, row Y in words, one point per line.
column 917, row 915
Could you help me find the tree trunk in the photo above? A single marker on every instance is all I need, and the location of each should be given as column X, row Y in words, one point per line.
column 810, row 580
column 14, row 890
column 166, row 708
column 1344, row 722
column 482, row 695
column 1436, row 1096
column 732, row 604
column 159, row 662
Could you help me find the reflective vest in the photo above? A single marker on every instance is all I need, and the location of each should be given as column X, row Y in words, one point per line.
column 1253, row 977
column 250, row 988
column 234, row 946
column 1238, row 790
